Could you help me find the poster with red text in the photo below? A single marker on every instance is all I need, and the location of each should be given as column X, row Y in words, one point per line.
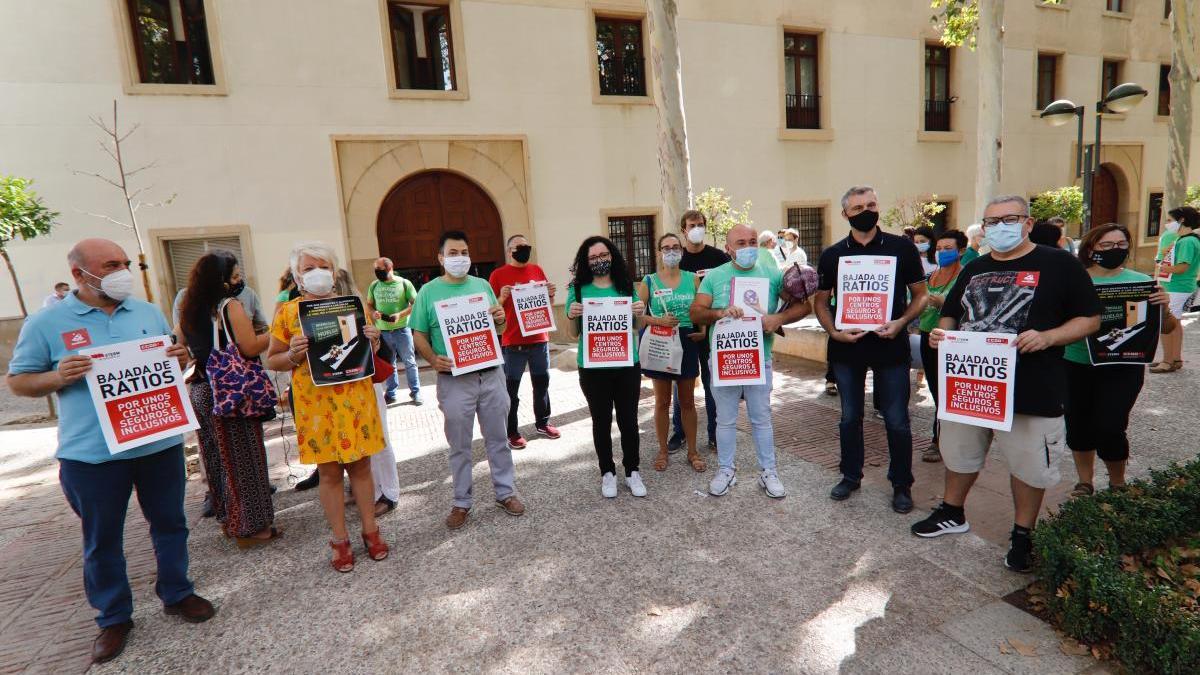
column 469, row 333
column 138, row 392
column 976, row 374
column 1160, row 273
column 532, row 304
column 737, row 352
column 607, row 332
column 865, row 285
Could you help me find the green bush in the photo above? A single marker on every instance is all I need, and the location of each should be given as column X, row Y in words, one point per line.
column 1094, row 600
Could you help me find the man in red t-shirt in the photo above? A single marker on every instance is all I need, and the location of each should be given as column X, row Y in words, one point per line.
column 520, row 350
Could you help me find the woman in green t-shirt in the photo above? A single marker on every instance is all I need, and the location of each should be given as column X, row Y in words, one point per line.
column 600, row 272
column 668, row 296
column 948, row 252
column 1100, row 398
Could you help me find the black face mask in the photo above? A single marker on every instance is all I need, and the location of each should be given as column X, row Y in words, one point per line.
column 865, row 221
column 232, row 291
column 522, row 253
column 1110, row 259
column 381, row 275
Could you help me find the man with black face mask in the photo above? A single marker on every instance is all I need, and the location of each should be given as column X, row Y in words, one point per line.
column 389, row 302
column 884, row 350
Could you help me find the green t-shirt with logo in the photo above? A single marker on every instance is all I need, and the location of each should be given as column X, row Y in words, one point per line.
column 717, row 283
column 1187, row 250
column 678, row 303
column 1164, row 244
column 391, row 297
column 424, row 314
column 594, row 291
column 1078, row 351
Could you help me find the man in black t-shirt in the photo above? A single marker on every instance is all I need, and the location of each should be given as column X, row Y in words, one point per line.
column 884, row 350
column 1044, row 296
column 699, row 258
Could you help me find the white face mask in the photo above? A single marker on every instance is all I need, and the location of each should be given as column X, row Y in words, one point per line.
column 696, row 235
column 457, row 266
column 116, row 285
column 1171, row 226
column 672, row 258
column 317, row 281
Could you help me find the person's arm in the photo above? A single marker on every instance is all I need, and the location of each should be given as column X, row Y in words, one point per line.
column 372, row 313
column 916, row 305
column 1073, row 330
column 1161, row 298
column 825, row 318
column 795, row 312
column 242, row 328
column 441, row 364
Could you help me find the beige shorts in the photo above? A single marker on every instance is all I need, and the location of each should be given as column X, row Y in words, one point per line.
column 1032, row 449
column 1178, row 304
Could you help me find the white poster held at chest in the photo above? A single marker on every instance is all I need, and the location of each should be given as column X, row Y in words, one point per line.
column 865, row 285
column 976, row 378
column 531, row 302
column 469, row 333
column 737, row 352
column 138, row 392
column 607, row 332
column 751, row 294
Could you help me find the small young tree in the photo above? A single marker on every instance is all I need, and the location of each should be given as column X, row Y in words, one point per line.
column 1193, row 196
column 912, row 212
column 721, row 213
column 1064, row 202
column 23, row 215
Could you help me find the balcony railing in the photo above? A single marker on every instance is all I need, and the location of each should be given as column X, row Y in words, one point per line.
column 803, row 111
column 937, row 114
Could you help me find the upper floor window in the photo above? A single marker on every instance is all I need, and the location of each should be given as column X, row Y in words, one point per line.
column 803, row 100
column 170, row 40
column 1047, row 80
column 1154, row 214
column 1164, row 89
column 1167, row 9
column 620, row 57
column 1115, row 5
column 422, row 46
column 1110, row 76
column 937, row 88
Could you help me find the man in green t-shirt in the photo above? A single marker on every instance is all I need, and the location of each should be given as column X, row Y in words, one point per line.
column 462, row 398
column 389, row 302
column 1185, row 258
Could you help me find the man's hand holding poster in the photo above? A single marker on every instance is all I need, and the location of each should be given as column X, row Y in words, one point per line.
column 338, row 351
column 1129, row 324
column 607, row 332
column 138, row 392
column 469, row 333
column 532, row 304
column 737, row 352
column 976, row 374
column 865, row 285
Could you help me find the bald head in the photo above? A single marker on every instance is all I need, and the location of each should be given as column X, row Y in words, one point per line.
column 740, row 236
column 95, row 250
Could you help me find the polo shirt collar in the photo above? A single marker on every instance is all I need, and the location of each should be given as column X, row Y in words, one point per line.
column 877, row 239
column 79, row 307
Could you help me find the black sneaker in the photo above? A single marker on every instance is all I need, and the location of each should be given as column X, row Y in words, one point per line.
column 206, row 511
column 674, row 444
column 310, row 482
column 902, row 499
column 842, row 490
column 1020, row 552
column 944, row 520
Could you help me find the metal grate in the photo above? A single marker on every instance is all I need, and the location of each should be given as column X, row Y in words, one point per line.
column 619, row 57
column 809, row 221
column 634, row 237
column 1154, row 214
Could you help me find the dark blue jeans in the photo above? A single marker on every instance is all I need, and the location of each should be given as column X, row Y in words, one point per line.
column 710, row 406
column 99, row 495
column 891, row 390
column 537, row 359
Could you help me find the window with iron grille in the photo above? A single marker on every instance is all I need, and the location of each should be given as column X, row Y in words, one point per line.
column 809, row 222
column 1047, row 79
column 634, row 237
column 1115, row 5
column 422, row 47
column 1110, row 76
column 1164, row 89
column 1167, row 9
column 1154, row 214
column 802, row 100
column 619, row 57
column 937, row 88
column 170, row 39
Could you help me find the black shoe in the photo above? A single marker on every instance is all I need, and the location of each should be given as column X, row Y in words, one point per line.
column 944, row 520
column 389, row 399
column 842, row 490
column 1020, row 552
column 274, row 488
column 310, row 482
column 674, row 444
column 207, row 511
column 902, row 499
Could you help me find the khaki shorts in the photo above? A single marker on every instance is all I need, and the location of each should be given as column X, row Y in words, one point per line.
column 1032, row 449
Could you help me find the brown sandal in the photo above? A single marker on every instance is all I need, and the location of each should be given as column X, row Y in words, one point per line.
column 1083, row 490
column 698, row 463
column 1166, row 367
column 661, row 461
column 252, row 541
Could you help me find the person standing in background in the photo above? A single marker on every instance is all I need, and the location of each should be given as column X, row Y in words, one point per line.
column 60, row 292
column 389, row 302
column 1185, row 257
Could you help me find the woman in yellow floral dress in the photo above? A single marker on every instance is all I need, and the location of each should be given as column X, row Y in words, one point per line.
column 337, row 426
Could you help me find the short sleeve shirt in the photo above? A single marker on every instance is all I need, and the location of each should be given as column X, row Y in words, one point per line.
column 511, row 275
column 424, row 314
column 662, row 300
column 700, row 263
column 718, row 281
column 62, row 330
column 1187, row 250
column 391, row 297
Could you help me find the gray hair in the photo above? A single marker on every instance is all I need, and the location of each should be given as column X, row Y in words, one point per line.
column 313, row 249
column 974, row 230
column 1009, row 199
column 766, row 237
column 855, row 191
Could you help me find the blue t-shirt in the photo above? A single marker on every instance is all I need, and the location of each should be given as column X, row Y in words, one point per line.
column 62, row 330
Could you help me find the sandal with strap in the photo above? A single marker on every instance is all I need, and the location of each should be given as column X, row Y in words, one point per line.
column 377, row 548
column 932, row 454
column 661, row 461
column 1083, row 490
column 1166, row 367
column 250, row 542
column 343, row 557
column 698, row 463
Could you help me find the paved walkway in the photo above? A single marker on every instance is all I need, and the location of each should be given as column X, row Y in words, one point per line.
column 677, row 581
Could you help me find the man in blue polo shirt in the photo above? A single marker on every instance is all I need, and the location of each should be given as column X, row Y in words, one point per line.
column 98, row 484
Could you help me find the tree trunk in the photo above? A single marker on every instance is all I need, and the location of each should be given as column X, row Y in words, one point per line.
column 1185, row 70
column 990, row 124
column 16, row 284
column 674, row 167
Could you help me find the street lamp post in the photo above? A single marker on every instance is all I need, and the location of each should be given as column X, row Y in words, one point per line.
column 1122, row 98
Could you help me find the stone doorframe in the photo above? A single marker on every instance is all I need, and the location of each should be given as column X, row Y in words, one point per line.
column 368, row 166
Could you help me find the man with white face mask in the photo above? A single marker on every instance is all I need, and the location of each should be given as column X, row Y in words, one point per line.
column 462, row 398
column 98, row 484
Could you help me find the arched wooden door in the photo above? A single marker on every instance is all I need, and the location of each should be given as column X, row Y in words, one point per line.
column 1106, row 199
column 419, row 208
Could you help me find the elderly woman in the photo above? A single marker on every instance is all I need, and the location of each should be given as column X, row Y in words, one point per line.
column 769, row 250
column 337, row 426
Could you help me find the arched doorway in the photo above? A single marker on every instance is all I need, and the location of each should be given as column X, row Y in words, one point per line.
column 1106, row 197
column 421, row 207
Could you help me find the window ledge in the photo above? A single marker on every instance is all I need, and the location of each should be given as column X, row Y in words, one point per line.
column 622, row 100
column 939, row 136
column 814, row 135
column 1061, row 7
column 142, row 88
column 1123, row 16
column 1165, row 119
column 1114, row 117
column 429, row 94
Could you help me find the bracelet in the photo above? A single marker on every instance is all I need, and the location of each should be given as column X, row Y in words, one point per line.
column 294, row 364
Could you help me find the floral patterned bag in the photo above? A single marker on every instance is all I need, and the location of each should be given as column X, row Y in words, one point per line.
column 240, row 386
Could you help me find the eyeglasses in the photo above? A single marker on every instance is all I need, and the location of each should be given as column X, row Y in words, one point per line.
column 670, row 249
column 1110, row 245
column 1010, row 219
column 598, row 258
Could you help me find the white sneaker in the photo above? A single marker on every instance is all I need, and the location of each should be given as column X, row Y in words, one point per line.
column 770, row 484
column 634, row 481
column 608, row 485
column 722, row 482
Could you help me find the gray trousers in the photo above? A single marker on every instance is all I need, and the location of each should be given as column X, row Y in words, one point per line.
column 461, row 398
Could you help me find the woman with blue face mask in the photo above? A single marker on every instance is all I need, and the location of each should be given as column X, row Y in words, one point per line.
column 948, row 253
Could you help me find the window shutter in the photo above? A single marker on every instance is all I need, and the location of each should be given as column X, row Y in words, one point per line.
column 183, row 254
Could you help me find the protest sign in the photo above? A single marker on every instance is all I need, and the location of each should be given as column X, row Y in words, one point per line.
column 607, row 332
column 1129, row 324
column 531, row 302
column 1161, row 275
column 976, row 375
column 138, row 392
column 737, row 352
column 865, row 285
column 661, row 350
column 338, row 352
column 469, row 333
column 751, row 294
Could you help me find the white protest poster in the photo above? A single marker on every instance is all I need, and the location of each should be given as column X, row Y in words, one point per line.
column 1160, row 274
column 660, row 349
column 751, row 294
column 865, row 285
column 531, row 302
column 976, row 375
column 138, row 392
column 607, row 332
column 469, row 333
column 737, row 352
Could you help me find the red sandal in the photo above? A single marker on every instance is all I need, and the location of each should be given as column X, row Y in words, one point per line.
column 343, row 557
column 377, row 549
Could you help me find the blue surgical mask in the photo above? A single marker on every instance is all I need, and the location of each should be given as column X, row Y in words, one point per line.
column 947, row 258
column 923, row 246
column 746, row 257
column 1004, row 237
